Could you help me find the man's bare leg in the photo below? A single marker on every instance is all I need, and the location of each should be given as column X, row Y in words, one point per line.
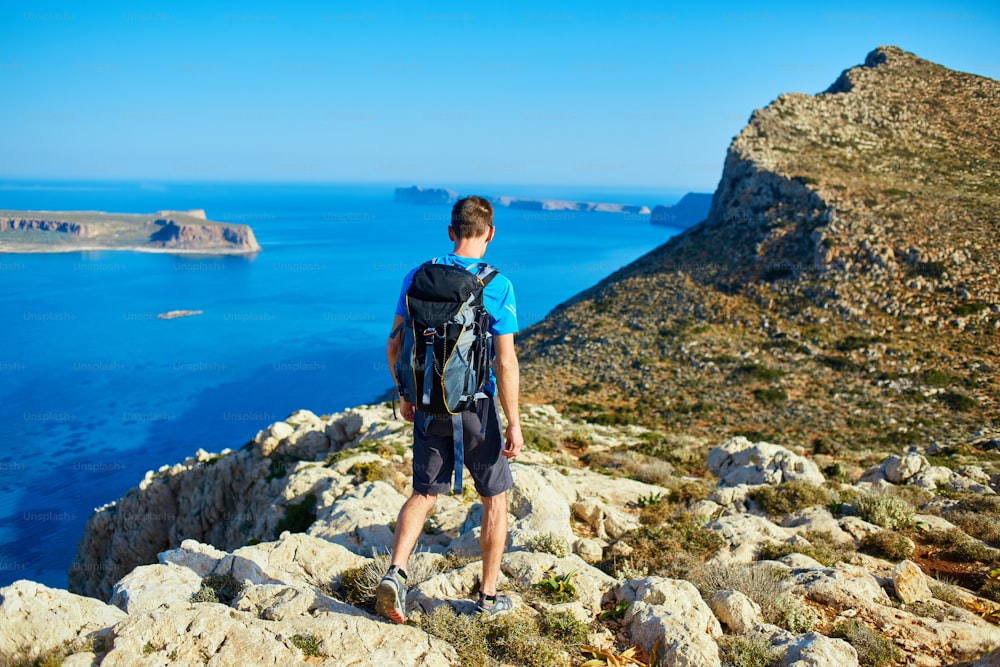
column 409, row 525
column 493, row 540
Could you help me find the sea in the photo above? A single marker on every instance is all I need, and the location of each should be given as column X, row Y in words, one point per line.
column 95, row 390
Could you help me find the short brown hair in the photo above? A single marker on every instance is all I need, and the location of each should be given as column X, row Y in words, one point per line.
column 471, row 217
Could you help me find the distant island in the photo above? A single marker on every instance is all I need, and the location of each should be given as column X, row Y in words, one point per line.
column 187, row 232
column 174, row 314
column 690, row 210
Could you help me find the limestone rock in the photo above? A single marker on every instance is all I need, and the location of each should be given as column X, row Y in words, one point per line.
column 525, row 569
column 671, row 613
column 35, row 618
column 536, row 505
column 910, row 583
column 899, row 470
column 607, row 521
column 360, row 519
column 739, row 461
column 845, row 587
column 589, row 549
column 743, row 535
column 150, row 586
column 735, row 611
column 815, row 650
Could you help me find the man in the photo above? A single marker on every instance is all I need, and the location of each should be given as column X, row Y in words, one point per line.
column 486, row 456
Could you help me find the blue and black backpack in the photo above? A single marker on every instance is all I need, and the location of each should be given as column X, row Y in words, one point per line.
column 444, row 365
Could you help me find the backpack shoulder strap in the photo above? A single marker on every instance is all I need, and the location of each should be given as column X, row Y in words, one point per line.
column 486, row 273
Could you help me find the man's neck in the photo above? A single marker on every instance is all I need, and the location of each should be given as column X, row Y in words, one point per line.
column 471, row 248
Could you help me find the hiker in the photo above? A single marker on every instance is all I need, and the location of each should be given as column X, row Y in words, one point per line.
column 482, row 447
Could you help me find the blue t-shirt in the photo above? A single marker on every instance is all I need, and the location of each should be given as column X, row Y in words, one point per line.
column 498, row 296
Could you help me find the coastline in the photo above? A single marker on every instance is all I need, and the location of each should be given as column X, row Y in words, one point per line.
column 39, row 250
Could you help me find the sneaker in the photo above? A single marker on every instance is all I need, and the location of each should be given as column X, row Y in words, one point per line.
column 390, row 597
column 502, row 606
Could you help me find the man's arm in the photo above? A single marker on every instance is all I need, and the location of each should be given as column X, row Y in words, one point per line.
column 392, row 348
column 508, row 389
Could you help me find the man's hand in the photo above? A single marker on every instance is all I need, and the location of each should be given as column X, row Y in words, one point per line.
column 406, row 409
column 515, row 441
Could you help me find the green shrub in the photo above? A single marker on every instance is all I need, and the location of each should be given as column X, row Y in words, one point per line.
column 822, row 548
column 770, row 395
column 935, row 378
column 672, row 548
column 218, row 588
column 874, row 650
column 889, row 544
column 557, row 588
column 957, row 402
column 884, row 510
column 536, row 439
column 308, row 644
column 370, row 471
column 298, row 516
column 549, row 543
column 747, row 651
column 789, row 497
column 509, row 639
column 791, row 614
column 760, row 372
column 563, row 626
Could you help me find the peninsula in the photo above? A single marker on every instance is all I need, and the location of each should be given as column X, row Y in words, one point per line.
column 186, row 232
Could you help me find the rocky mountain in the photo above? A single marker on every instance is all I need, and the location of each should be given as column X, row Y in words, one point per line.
column 843, row 290
column 269, row 555
column 168, row 231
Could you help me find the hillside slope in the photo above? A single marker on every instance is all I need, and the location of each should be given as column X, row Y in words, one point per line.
column 844, row 289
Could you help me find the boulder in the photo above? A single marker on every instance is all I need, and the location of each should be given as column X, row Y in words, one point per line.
column 151, row 586
column 606, row 521
column 360, row 519
column 845, row 587
column 739, row 461
column 743, row 535
column 910, row 583
column 35, row 618
column 899, row 470
column 670, row 613
column 735, row 611
column 536, row 505
column 815, row 650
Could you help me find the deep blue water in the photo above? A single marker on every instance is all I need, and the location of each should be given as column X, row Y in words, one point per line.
column 95, row 391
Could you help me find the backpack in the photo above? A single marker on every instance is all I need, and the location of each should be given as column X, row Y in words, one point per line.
column 444, row 363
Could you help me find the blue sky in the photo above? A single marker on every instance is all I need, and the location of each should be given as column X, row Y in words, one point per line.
column 637, row 95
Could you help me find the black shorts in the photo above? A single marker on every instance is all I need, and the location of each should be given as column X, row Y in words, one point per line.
column 434, row 452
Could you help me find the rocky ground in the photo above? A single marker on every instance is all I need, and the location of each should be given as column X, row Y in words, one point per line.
column 738, row 553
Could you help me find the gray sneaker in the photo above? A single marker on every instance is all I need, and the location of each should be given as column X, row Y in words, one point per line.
column 390, row 598
column 502, row 606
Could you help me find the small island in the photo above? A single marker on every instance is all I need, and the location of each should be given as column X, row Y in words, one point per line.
column 174, row 314
column 182, row 232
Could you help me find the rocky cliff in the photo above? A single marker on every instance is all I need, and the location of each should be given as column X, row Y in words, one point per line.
column 741, row 553
column 172, row 231
column 843, row 289
column 690, row 210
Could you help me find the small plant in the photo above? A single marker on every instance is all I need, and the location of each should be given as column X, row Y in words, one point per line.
column 221, row 588
column 616, row 612
column 370, row 471
column 789, row 497
column 889, row 544
column 539, row 441
column 770, row 395
column 563, row 625
column 747, row 651
column 509, row 639
column 359, row 583
column 549, row 543
column 148, row 648
column 649, row 500
column 884, row 510
column 298, row 516
column 308, row 644
column 874, row 650
column 558, row 588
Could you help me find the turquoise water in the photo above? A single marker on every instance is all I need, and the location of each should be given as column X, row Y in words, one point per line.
column 95, row 390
